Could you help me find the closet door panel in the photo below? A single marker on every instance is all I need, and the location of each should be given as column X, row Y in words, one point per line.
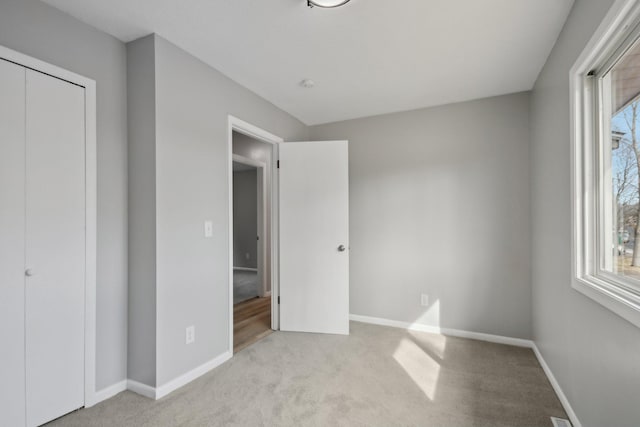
column 12, row 118
column 55, row 247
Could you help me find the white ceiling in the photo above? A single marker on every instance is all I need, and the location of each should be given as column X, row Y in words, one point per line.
column 369, row 57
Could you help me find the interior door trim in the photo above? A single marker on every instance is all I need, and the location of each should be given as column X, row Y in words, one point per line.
column 90, row 392
column 246, row 128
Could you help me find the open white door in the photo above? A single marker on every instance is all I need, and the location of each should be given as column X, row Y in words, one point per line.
column 314, row 237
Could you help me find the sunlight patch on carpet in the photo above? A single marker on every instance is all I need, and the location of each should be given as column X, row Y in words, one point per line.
column 421, row 368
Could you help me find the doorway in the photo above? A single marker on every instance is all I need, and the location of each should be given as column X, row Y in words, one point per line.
column 251, row 284
column 248, row 266
column 308, row 249
column 253, row 293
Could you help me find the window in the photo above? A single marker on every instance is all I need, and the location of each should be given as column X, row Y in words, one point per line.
column 620, row 99
column 605, row 85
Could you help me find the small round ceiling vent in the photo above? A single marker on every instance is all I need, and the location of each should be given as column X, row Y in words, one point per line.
column 307, row 83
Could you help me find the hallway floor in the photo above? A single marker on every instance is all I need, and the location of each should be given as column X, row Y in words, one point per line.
column 251, row 322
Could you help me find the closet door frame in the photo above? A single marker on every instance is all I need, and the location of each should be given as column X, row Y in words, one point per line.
column 89, row 85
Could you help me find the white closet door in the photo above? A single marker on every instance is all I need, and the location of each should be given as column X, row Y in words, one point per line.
column 11, row 244
column 55, row 247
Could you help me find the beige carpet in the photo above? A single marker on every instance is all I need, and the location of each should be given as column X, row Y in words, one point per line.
column 377, row 376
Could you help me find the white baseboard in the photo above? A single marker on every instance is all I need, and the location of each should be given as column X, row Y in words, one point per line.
column 556, row 386
column 106, row 393
column 255, row 270
column 160, row 392
column 518, row 342
column 184, row 379
column 141, row 389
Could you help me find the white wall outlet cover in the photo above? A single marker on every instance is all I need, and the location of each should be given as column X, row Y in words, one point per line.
column 208, row 229
column 424, row 300
column 190, row 334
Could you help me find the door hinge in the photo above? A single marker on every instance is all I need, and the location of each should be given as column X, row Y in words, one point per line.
column 278, row 164
column 278, row 299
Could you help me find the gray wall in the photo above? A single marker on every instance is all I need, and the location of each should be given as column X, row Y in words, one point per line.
column 193, row 102
column 38, row 30
column 263, row 152
column 593, row 353
column 439, row 204
column 245, row 219
column 142, row 210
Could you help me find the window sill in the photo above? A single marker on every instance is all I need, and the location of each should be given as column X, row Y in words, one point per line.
column 625, row 304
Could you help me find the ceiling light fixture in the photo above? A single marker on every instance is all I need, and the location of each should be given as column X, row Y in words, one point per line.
column 327, row 4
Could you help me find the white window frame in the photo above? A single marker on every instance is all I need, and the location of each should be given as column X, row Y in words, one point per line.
column 612, row 38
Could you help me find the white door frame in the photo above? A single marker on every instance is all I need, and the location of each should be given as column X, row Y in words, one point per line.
column 90, row 392
column 261, row 167
column 245, row 128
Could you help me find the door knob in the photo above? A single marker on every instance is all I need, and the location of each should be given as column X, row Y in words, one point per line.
column 342, row 248
column 28, row 272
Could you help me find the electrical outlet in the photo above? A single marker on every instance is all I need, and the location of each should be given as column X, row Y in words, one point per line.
column 248, row 255
column 424, row 300
column 191, row 334
column 208, row 229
